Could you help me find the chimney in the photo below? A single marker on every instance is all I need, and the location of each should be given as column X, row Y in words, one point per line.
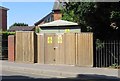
column 57, row 15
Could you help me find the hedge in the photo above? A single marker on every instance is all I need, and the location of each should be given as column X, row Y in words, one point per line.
column 5, row 34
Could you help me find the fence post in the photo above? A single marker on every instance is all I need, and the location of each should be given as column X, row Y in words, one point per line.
column 11, row 48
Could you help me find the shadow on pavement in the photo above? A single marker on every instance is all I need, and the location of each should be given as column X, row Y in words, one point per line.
column 16, row 77
column 80, row 77
column 90, row 76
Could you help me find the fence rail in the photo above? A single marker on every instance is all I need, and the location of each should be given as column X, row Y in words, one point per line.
column 108, row 54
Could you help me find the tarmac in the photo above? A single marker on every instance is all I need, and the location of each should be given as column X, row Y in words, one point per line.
column 62, row 71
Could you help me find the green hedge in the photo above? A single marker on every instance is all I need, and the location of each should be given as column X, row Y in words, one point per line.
column 5, row 34
column 8, row 33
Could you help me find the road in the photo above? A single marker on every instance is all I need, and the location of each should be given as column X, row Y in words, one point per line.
column 6, row 74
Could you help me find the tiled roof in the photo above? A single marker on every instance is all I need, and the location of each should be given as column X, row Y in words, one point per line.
column 57, row 6
column 37, row 23
column 58, row 23
column 21, row 28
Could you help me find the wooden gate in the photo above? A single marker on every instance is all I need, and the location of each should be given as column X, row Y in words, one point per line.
column 54, row 49
column 67, row 48
column 49, row 49
column 25, row 45
column 84, row 51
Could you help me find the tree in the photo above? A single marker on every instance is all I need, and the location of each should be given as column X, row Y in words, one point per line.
column 19, row 24
column 100, row 18
column 77, row 11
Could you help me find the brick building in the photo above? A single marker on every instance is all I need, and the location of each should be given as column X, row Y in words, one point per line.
column 3, row 18
column 52, row 16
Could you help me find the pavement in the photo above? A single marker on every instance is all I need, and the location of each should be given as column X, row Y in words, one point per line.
column 61, row 71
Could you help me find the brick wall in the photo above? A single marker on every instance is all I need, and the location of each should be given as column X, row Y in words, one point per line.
column 11, row 48
column 3, row 19
column 57, row 15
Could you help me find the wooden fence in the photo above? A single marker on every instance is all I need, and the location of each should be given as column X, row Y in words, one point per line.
column 108, row 54
column 25, row 47
column 68, row 48
column 61, row 48
column 84, row 49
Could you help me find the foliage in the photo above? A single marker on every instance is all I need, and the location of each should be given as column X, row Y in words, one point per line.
column 94, row 17
column 37, row 30
column 115, row 65
column 115, row 14
column 19, row 24
column 5, row 34
column 99, row 44
column 8, row 33
column 77, row 11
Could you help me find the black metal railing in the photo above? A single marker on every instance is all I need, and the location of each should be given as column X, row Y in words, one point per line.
column 107, row 53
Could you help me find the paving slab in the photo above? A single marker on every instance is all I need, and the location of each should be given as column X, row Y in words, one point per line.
column 61, row 71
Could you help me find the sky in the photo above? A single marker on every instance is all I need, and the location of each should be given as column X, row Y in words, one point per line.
column 26, row 12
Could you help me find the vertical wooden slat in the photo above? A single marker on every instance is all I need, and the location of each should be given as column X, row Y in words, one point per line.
column 91, row 49
column 70, row 48
column 76, row 51
column 57, row 49
column 40, row 48
column 60, row 57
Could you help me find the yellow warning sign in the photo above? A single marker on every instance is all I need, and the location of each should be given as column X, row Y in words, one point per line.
column 49, row 40
column 60, row 39
column 67, row 30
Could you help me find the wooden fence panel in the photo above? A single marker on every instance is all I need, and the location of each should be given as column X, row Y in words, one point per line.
column 70, row 48
column 40, row 48
column 18, row 47
column 49, row 49
column 25, row 47
column 85, row 49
